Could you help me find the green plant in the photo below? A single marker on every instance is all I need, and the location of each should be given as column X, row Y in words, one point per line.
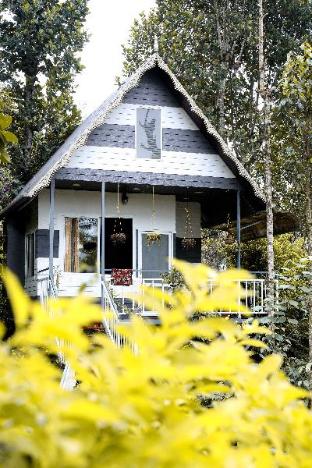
column 145, row 408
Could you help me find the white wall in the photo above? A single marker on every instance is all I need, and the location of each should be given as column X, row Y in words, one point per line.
column 71, row 203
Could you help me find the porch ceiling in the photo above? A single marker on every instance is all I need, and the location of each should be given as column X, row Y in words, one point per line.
column 217, row 205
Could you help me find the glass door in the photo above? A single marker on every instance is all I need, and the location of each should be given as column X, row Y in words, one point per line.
column 155, row 258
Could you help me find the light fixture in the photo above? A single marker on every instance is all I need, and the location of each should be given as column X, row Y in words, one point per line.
column 118, row 237
column 124, row 198
column 76, row 185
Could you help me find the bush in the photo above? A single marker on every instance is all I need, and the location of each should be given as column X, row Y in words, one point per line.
column 145, row 408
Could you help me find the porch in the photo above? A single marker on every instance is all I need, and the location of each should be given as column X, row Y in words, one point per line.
column 119, row 296
column 78, row 219
column 84, row 217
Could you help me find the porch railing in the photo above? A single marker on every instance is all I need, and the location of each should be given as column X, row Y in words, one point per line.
column 46, row 290
column 253, row 293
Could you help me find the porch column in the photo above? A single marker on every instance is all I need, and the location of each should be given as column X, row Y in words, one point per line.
column 51, row 230
column 102, row 243
column 238, row 229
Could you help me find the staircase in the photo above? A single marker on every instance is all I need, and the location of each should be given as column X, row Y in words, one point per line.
column 115, row 313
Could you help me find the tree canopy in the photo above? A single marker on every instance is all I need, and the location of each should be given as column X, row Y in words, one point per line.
column 39, row 45
column 212, row 47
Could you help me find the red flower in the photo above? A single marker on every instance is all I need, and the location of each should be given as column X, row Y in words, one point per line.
column 121, row 277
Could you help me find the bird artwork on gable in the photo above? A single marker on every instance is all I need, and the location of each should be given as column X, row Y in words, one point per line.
column 149, row 128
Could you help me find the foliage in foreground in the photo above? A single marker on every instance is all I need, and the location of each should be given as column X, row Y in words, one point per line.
column 145, row 409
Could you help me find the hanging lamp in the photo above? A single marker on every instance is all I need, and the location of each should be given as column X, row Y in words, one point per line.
column 153, row 237
column 188, row 241
column 118, row 237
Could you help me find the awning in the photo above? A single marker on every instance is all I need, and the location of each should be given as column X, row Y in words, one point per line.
column 254, row 227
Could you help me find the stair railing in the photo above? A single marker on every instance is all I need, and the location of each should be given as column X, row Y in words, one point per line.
column 111, row 318
column 47, row 289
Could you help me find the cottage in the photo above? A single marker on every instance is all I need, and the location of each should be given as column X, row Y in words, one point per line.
column 129, row 190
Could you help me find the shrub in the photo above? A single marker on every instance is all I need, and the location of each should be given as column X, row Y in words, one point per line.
column 145, row 408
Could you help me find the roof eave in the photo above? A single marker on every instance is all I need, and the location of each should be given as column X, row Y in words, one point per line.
column 81, row 133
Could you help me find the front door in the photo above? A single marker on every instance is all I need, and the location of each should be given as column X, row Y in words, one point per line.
column 155, row 257
column 118, row 254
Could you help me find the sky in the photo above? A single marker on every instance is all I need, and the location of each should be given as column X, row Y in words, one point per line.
column 108, row 26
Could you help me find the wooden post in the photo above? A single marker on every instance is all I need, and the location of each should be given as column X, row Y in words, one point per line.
column 51, row 231
column 102, row 261
column 238, row 228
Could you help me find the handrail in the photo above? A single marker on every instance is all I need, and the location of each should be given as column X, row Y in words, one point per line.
column 109, row 323
column 49, row 289
column 111, row 319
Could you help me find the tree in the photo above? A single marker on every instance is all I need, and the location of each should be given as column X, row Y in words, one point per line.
column 212, row 47
column 264, row 92
column 296, row 108
column 295, row 113
column 39, row 42
column 6, row 137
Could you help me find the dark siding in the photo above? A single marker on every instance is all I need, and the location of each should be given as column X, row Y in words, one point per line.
column 123, row 136
column 149, row 178
column 15, row 245
column 42, row 243
column 187, row 141
column 189, row 255
column 118, row 136
column 137, row 252
column 152, row 90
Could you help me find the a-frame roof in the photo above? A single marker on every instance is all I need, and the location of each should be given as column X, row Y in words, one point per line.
column 43, row 177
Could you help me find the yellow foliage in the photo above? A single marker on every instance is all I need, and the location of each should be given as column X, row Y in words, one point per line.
column 190, row 397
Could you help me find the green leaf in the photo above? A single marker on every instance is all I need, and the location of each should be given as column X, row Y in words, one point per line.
column 4, row 156
column 10, row 137
column 5, row 121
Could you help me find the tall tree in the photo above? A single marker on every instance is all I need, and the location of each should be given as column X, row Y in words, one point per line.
column 295, row 114
column 39, row 45
column 295, row 118
column 212, row 47
column 266, row 156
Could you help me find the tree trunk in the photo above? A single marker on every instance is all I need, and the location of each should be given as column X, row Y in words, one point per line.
column 309, row 252
column 223, row 54
column 266, row 152
column 28, row 130
column 221, row 98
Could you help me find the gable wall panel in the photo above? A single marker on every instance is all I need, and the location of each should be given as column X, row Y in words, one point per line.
column 171, row 162
column 185, row 150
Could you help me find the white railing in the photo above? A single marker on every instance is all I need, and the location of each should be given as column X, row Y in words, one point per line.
column 46, row 290
column 251, row 293
column 112, row 319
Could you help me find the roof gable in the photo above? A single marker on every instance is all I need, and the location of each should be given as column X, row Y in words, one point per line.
column 171, row 92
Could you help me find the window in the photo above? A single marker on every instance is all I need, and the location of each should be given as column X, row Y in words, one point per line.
column 81, row 245
column 148, row 133
column 30, row 254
